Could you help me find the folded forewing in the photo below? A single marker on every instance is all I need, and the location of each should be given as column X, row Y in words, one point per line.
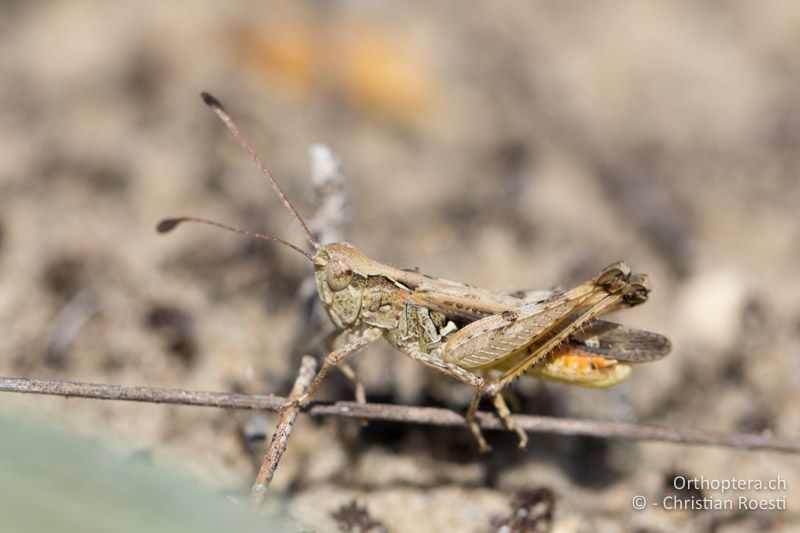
column 486, row 341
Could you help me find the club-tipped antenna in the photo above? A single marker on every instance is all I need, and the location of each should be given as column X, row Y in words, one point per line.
column 215, row 104
column 169, row 224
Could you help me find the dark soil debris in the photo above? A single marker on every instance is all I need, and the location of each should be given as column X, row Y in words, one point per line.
column 64, row 275
column 354, row 518
column 676, row 483
column 176, row 327
column 531, row 512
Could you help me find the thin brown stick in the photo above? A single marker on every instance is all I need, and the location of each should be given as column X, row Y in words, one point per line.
column 277, row 445
column 404, row 414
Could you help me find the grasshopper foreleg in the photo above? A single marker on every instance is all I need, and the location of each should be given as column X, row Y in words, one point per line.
column 334, row 358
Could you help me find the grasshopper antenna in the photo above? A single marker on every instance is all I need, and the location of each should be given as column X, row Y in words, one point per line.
column 215, row 105
column 169, row 224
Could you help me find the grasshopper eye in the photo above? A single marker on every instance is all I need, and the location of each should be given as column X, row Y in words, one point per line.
column 339, row 274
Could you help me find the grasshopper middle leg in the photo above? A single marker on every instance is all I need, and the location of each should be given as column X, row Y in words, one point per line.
column 338, row 339
column 480, row 386
column 474, row 425
column 505, row 413
column 350, row 373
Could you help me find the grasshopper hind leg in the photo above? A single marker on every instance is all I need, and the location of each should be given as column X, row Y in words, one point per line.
column 502, row 411
column 505, row 414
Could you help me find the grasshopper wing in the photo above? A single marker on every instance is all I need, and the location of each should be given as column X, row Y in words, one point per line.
column 491, row 339
column 615, row 341
column 544, row 324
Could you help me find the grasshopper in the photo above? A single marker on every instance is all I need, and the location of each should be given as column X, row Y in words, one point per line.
column 483, row 338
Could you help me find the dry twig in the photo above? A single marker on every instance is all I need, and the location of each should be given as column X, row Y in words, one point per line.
column 402, row 413
column 331, row 215
column 280, row 438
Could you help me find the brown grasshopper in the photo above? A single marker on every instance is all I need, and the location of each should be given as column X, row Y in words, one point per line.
column 482, row 338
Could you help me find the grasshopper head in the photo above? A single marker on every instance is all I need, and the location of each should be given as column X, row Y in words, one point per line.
column 340, row 281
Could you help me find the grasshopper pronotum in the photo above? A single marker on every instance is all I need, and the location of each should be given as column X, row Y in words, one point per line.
column 483, row 338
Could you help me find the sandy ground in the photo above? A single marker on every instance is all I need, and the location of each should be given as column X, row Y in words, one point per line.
column 524, row 145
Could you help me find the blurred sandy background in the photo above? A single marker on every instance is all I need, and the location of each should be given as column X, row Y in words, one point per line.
column 523, row 145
